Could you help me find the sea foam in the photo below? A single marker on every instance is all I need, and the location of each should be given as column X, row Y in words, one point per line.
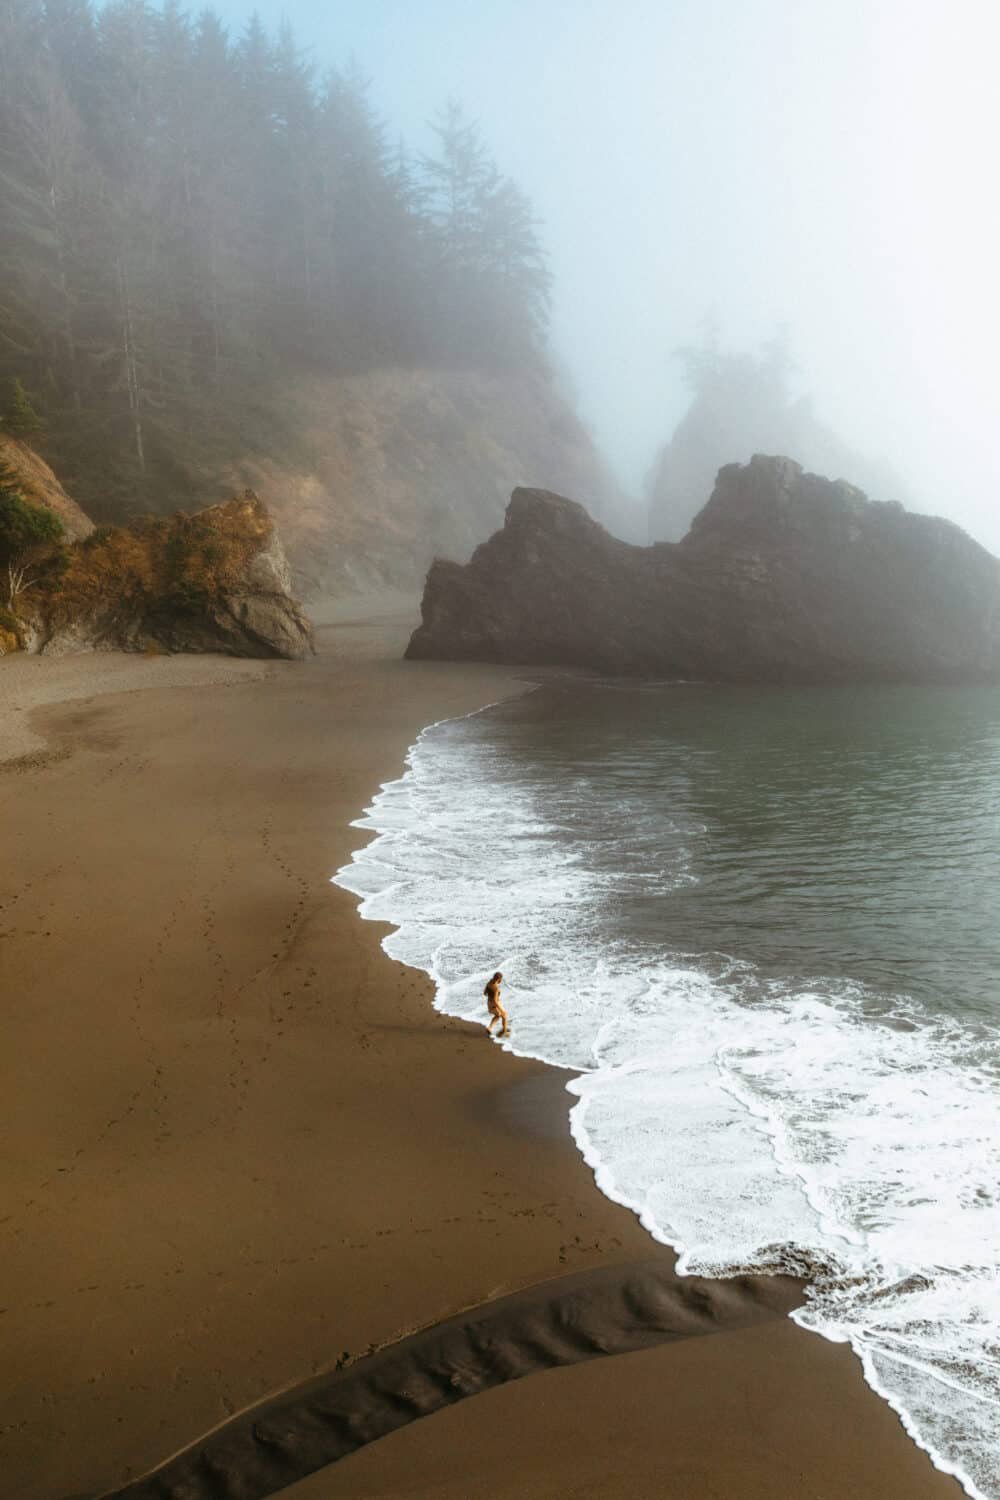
column 753, row 1124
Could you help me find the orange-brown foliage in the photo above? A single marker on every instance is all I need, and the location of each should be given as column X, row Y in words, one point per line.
column 171, row 558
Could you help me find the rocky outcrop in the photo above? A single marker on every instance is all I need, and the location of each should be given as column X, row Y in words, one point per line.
column 368, row 476
column 783, row 577
column 217, row 580
column 742, row 404
column 37, row 483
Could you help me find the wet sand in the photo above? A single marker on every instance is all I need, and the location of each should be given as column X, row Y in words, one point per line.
column 241, row 1147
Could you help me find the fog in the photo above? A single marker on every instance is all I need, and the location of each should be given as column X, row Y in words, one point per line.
column 826, row 165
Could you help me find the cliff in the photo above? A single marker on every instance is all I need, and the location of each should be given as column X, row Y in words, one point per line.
column 31, row 475
column 370, row 476
column 783, row 577
column 217, row 580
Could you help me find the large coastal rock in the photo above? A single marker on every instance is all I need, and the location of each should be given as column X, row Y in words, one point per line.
column 740, row 406
column 783, row 577
column 217, row 580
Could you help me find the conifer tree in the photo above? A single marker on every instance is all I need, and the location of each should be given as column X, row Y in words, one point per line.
column 20, row 419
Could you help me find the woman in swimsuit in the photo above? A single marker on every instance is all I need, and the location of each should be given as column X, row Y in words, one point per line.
column 496, row 1010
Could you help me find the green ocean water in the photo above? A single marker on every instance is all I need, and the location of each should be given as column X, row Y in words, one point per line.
column 761, row 925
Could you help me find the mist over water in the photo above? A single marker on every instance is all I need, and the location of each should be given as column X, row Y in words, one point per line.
column 761, row 924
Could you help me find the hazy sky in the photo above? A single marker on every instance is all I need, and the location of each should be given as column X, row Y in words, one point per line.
column 829, row 164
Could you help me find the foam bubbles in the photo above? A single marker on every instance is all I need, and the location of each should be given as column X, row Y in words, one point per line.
column 752, row 1122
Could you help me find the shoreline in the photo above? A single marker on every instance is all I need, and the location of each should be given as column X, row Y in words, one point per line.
column 244, row 1143
column 400, row 922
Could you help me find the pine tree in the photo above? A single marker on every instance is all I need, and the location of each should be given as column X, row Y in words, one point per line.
column 493, row 281
column 294, row 124
column 20, row 419
column 515, row 261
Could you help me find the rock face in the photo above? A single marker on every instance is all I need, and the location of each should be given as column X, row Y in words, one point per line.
column 40, row 486
column 215, row 581
column 372, row 475
column 257, row 617
column 783, row 577
column 740, row 408
column 368, row 476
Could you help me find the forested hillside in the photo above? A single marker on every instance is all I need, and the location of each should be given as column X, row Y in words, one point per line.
column 192, row 224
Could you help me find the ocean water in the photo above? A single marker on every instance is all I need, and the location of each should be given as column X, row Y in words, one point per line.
column 762, row 926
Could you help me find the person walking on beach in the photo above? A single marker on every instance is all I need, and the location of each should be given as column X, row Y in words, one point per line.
column 496, row 1010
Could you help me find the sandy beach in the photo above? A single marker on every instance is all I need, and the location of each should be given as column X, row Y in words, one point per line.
column 241, row 1149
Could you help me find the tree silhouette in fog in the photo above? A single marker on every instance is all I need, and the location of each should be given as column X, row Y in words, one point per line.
column 744, row 403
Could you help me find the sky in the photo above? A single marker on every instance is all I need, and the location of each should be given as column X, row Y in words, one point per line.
column 829, row 165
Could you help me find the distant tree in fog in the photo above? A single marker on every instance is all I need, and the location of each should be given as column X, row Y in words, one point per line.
column 495, row 282
column 741, row 404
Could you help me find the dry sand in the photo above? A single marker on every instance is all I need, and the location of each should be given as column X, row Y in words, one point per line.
column 239, row 1144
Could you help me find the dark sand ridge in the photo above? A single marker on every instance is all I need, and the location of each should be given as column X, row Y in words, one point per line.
column 605, row 1311
column 239, row 1142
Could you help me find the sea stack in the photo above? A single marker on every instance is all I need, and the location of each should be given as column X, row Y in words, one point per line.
column 783, row 577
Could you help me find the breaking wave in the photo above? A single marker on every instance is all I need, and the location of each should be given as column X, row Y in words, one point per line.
column 755, row 1122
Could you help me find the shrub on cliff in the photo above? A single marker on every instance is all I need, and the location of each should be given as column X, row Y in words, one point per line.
column 177, row 561
column 215, row 581
column 10, row 635
column 30, row 538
